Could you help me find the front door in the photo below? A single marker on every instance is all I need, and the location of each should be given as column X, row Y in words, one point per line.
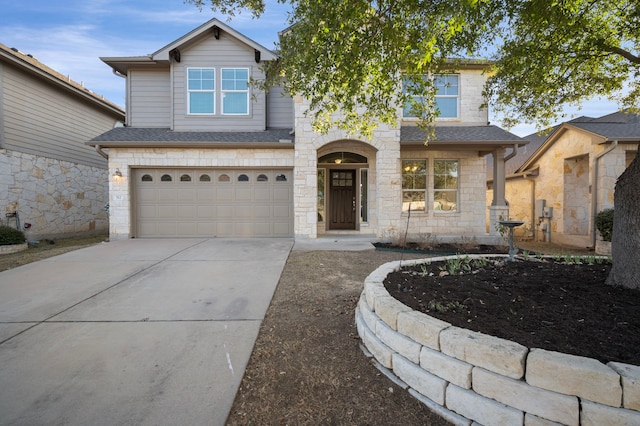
column 342, row 199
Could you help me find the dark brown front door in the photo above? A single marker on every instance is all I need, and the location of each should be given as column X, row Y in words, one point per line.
column 342, row 199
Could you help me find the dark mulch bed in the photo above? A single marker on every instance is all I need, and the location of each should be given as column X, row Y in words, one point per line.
column 549, row 304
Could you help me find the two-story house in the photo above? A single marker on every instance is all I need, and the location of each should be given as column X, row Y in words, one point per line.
column 206, row 154
column 51, row 183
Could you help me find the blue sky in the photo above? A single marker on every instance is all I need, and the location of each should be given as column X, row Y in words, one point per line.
column 70, row 36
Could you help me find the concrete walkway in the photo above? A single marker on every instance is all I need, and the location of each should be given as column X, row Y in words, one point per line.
column 139, row 332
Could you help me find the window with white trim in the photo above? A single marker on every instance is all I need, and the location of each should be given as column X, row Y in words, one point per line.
column 201, row 91
column 235, row 91
column 446, row 96
column 445, row 185
column 414, row 185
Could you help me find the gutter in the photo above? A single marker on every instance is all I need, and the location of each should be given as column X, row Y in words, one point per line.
column 101, row 152
column 594, row 186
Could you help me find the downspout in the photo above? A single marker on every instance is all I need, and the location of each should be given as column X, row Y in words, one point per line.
column 102, row 153
column 534, row 222
column 594, row 191
column 512, row 154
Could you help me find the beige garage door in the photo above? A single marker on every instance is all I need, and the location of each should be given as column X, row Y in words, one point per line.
column 213, row 203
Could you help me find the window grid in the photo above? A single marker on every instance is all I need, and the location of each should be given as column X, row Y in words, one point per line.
column 414, row 185
column 446, row 98
column 445, row 185
column 201, row 91
column 235, row 91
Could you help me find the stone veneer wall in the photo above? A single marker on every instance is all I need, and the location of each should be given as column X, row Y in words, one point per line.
column 57, row 198
column 469, row 377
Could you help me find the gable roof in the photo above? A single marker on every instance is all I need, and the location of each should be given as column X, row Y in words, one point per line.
column 36, row 68
column 163, row 55
column 619, row 126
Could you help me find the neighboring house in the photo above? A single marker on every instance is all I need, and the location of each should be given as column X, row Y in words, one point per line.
column 571, row 172
column 51, row 183
column 206, row 154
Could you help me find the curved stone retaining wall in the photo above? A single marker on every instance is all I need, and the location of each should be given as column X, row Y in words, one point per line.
column 467, row 376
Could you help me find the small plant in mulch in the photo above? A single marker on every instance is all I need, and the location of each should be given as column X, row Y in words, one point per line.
column 10, row 236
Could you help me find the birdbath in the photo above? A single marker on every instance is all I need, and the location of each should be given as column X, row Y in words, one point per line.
column 511, row 224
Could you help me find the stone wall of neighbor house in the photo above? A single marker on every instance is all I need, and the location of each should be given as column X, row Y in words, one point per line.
column 124, row 159
column 473, row 378
column 57, row 198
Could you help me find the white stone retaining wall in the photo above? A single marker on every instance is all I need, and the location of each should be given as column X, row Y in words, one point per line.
column 58, row 198
column 473, row 378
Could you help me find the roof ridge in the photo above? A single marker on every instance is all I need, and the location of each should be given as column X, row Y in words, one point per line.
column 34, row 62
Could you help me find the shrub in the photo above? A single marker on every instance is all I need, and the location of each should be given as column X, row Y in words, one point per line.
column 10, row 236
column 604, row 223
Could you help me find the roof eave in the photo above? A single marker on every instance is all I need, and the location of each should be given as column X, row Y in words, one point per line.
column 82, row 92
column 186, row 145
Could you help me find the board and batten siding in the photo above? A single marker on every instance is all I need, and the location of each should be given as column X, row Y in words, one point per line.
column 226, row 52
column 43, row 120
column 149, row 98
column 279, row 109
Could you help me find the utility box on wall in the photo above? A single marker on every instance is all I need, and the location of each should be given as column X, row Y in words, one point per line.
column 539, row 208
column 547, row 212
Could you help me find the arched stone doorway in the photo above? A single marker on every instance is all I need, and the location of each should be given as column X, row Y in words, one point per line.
column 344, row 187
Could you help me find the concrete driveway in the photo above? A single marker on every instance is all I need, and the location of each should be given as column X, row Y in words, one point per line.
column 143, row 331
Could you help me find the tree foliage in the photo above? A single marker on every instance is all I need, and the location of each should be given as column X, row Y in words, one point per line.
column 346, row 55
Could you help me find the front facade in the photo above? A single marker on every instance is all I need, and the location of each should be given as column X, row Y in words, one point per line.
column 206, row 154
column 51, row 183
column 558, row 188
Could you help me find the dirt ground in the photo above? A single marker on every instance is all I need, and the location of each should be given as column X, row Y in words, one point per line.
column 46, row 249
column 307, row 367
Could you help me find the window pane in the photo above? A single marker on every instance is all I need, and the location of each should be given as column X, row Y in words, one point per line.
column 234, row 103
column 364, row 196
column 448, row 107
column 321, row 174
column 447, row 85
column 201, row 103
column 414, row 200
column 235, row 79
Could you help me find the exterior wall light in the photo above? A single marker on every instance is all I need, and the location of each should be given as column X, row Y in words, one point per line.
column 117, row 175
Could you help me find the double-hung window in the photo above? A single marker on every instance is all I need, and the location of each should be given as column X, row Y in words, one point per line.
column 235, row 91
column 414, row 185
column 445, row 185
column 201, row 89
column 446, row 96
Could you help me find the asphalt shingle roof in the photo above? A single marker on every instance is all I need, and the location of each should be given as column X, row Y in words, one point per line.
column 460, row 134
column 135, row 134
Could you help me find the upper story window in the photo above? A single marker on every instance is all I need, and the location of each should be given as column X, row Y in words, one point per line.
column 201, row 88
column 446, row 96
column 235, row 91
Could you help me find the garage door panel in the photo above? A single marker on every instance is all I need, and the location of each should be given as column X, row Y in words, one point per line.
column 224, row 194
column 167, row 212
column 213, row 203
column 224, row 212
column 186, row 194
column 243, row 193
